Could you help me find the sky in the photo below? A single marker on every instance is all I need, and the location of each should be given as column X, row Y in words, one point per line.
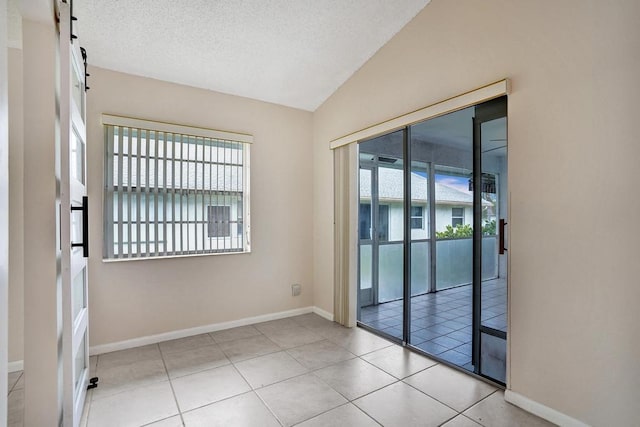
column 458, row 182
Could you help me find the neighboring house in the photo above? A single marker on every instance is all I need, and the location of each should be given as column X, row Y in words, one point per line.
column 453, row 206
column 193, row 205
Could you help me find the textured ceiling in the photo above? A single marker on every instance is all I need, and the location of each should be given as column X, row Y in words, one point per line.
column 289, row 52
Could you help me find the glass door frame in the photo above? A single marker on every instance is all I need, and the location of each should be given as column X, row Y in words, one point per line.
column 484, row 112
column 372, row 168
column 489, row 110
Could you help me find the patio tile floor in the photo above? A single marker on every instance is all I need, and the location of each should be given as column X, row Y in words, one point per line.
column 441, row 321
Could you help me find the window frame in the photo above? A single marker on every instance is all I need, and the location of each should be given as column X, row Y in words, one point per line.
column 240, row 226
column 420, row 217
column 454, row 217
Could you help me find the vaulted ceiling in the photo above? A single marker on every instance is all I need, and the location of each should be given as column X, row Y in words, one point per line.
column 290, row 52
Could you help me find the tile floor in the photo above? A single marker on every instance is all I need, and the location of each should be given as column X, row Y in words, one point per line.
column 441, row 321
column 302, row 371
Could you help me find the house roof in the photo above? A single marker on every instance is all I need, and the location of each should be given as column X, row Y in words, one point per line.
column 390, row 188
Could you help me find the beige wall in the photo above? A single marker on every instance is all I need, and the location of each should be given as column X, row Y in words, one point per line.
column 42, row 315
column 4, row 212
column 16, row 208
column 138, row 298
column 573, row 149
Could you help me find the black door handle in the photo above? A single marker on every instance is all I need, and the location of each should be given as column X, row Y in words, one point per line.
column 85, row 226
column 501, row 247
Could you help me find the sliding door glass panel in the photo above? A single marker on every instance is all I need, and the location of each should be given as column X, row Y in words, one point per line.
column 494, row 278
column 442, row 161
column 391, row 273
column 493, row 357
column 420, row 223
column 492, row 121
column 381, row 232
column 420, row 268
column 454, row 226
column 365, row 272
column 451, row 303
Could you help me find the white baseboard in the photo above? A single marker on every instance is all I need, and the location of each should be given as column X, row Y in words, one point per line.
column 16, row 366
column 323, row 313
column 153, row 339
column 541, row 410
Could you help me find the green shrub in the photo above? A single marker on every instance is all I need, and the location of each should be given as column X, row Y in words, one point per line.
column 461, row 231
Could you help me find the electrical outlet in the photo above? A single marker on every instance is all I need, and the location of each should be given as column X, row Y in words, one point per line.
column 296, row 289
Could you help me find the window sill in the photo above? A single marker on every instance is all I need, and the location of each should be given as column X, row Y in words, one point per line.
column 150, row 258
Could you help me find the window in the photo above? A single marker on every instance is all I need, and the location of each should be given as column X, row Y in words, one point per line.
column 457, row 216
column 365, row 221
column 417, row 217
column 173, row 190
column 219, row 218
column 383, row 223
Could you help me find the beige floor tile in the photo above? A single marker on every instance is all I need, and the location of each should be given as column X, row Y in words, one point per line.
column 276, row 325
column 494, row 411
column 300, row 398
column 15, row 408
column 117, row 378
column 203, row 388
column 337, row 332
column 402, row 405
column 15, row 381
column 461, row 421
column 20, row 384
column 187, row 343
column 354, row 378
column 360, row 342
column 326, row 329
column 264, row 370
column 125, row 357
column 235, row 334
column 320, row 354
column 134, row 407
column 345, row 415
column 84, row 418
column 398, row 361
column 194, row 360
column 248, row 348
column 168, row 422
column 93, row 365
column 243, row 410
column 293, row 336
column 453, row 388
column 312, row 321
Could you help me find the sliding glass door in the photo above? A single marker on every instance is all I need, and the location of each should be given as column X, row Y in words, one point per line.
column 490, row 293
column 432, row 270
column 381, row 234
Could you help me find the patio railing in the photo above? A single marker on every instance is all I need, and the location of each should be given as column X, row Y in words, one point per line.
column 453, row 265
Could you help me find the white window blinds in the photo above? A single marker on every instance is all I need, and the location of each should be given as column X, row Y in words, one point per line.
column 172, row 190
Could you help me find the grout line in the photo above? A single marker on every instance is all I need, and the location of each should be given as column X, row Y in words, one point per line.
column 175, row 398
column 87, row 402
column 477, row 403
column 15, row 383
column 309, row 371
column 265, row 403
column 439, row 401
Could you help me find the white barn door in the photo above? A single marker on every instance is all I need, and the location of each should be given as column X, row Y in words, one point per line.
column 71, row 153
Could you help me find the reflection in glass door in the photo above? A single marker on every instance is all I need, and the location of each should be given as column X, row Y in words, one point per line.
column 381, row 235
column 432, row 270
column 490, row 321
